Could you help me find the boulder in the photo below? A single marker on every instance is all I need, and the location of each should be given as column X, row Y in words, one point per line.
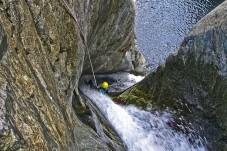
column 193, row 81
column 133, row 62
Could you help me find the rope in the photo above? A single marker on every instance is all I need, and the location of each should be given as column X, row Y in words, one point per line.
column 92, row 70
column 84, row 39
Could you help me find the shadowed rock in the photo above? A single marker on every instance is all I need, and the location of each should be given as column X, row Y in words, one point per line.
column 109, row 27
column 3, row 42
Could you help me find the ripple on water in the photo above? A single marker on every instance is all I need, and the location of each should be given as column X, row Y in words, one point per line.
column 161, row 25
column 142, row 130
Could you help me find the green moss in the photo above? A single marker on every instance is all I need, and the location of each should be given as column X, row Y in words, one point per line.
column 136, row 96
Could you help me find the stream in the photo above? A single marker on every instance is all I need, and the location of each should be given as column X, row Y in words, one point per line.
column 161, row 25
column 141, row 130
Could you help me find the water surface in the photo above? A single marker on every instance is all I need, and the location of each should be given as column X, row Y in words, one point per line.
column 142, row 130
column 161, row 25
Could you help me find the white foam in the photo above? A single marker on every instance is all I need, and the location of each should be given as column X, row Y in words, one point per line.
column 136, row 78
column 123, row 80
column 141, row 130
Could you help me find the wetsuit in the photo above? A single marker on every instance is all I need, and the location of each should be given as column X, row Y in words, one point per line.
column 100, row 88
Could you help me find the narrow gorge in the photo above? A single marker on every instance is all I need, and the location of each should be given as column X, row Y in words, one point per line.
column 44, row 51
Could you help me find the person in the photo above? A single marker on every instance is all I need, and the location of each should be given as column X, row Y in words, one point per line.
column 102, row 88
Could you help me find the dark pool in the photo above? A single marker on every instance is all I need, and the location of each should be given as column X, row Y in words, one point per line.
column 161, row 25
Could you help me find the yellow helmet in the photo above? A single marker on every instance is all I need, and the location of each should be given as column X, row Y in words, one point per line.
column 105, row 85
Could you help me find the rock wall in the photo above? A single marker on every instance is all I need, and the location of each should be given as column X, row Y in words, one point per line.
column 109, row 28
column 193, row 82
column 42, row 58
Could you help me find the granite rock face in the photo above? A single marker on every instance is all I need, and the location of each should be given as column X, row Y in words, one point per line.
column 193, row 82
column 133, row 62
column 42, row 58
column 109, row 28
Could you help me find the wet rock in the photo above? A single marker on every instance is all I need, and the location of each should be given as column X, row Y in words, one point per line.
column 193, row 82
column 42, row 58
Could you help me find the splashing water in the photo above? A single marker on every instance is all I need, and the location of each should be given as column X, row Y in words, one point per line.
column 141, row 130
column 122, row 80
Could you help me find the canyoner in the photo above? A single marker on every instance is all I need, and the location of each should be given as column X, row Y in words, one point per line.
column 102, row 88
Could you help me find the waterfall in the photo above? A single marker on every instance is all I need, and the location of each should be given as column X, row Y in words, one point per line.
column 142, row 130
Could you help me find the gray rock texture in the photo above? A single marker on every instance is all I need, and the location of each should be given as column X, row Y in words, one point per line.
column 133, row 62
column 42, row 56
column 109, row 28
column 193, row 82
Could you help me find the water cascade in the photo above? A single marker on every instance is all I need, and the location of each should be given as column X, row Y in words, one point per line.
column 142, row 130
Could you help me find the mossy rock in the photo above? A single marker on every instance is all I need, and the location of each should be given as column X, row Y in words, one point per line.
column 193, row 81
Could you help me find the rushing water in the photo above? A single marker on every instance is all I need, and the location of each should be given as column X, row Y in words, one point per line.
column 161, row 25
column 118, row 81
column 142, row 130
